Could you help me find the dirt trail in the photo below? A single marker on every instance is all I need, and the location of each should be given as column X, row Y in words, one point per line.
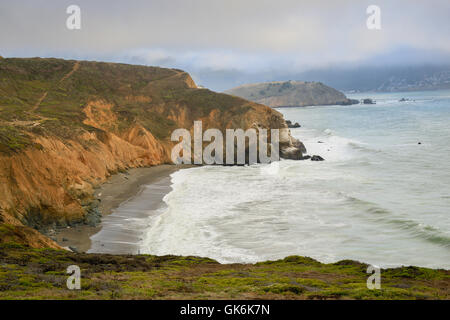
column 38, row 103
column 33, row 123
column 76, row 66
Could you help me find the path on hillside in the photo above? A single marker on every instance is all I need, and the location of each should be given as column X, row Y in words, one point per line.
column 76, row 66
column 34, row 123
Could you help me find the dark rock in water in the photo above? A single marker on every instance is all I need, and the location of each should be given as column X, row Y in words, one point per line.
column 290, row 125
column 403, row 100
column 368, row 101
column 320, row 142
column 420, row 143
column 348, row 102
column 317, row 158
column 305, row 158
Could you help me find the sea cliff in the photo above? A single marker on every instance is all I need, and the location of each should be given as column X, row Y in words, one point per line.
column 66, row 126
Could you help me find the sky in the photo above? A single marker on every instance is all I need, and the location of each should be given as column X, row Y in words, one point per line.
column 231, row 40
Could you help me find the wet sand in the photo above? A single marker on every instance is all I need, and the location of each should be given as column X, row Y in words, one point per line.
column 154, row 181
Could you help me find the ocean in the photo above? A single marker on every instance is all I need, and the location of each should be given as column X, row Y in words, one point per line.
column 382, row 195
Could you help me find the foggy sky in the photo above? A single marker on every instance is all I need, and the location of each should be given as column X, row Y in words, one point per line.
column 244, row 36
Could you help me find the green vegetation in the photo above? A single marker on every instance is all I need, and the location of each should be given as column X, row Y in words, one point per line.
column 12, row 139
column 27, row 273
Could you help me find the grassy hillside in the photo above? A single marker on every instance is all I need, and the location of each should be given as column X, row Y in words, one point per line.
column 41, row 274
column 290, row 94
column 47, row 96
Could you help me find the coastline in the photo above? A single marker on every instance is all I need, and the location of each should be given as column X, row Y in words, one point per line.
column 116, row 190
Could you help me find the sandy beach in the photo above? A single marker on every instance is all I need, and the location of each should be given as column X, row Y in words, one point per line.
column 116, row 190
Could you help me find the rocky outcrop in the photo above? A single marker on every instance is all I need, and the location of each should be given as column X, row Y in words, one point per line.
column 80, row 122
column 291, row 148
column 292, row 125
column 291, row 94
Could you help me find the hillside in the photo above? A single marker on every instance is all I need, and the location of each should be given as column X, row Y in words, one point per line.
column 290, row 94
column 66, row 126
column 41, row 274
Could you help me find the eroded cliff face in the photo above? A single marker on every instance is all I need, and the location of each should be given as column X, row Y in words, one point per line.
column 66, row 126
column 55, row 182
